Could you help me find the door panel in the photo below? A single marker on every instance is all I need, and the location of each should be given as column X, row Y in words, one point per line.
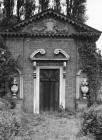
column 49, row 89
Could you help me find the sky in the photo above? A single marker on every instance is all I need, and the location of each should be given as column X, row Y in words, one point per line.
column 94, row 11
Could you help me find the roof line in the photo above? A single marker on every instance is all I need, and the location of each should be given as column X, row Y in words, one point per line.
column 59, row 15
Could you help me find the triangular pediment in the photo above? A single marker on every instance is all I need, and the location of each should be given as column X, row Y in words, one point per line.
column 51, row 14
column 50, row 23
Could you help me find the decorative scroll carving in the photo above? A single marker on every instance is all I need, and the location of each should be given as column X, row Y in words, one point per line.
column 57, row 51
column 41, row 51
column 79, row 72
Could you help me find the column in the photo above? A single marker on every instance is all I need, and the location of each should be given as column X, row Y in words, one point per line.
column 36, row 89
column 64, row 80
column 62, row 85
column 77, row 86
column 21, row 86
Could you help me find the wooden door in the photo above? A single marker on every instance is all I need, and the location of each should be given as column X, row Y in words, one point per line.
column 49, row 89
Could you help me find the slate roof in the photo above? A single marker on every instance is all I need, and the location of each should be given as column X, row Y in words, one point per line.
column 82, row 29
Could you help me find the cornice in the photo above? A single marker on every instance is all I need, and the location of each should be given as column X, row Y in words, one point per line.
column 54, row 14
column 79, row 35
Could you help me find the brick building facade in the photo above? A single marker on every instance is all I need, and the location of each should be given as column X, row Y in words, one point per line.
column 46, row 48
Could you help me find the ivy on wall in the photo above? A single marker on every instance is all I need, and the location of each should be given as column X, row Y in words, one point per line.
column 8, row 66
column 91, row 64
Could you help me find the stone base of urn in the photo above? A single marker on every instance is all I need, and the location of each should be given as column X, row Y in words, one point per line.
column 81, row 104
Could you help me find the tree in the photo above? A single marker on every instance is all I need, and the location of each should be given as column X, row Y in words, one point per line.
column 7, row 14
column 57, row 5
column 76, row 9
column 20, row 3
column 43, row 4
column 29, row 7
column 8, row 8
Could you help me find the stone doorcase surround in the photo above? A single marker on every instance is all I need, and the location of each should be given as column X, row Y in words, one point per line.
column 36, row 76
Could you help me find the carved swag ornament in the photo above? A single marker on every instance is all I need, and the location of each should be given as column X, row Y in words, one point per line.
column 50, row 27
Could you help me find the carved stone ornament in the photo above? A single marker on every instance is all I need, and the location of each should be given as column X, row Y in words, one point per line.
column 58, row 51
column 39, row 30
column 34, row 64
column 64, row 74
column 34, row 74
column 33, row 55
column 50, row 27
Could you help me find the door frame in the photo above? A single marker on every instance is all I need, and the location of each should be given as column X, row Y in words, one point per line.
column 36, row 105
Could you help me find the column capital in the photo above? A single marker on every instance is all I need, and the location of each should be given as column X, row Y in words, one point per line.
column 64, row 74
column 64, row 65
column 34, row 64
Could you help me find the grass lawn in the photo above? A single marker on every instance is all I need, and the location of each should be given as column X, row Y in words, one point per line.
column 53, row 126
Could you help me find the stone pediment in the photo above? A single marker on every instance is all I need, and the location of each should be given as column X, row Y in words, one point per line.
column 51, row 24
column 58, row 17
column 48, row 26
column 41, row 55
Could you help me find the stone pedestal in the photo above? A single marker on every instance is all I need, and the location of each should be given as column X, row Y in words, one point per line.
column 18, row 110
column 99, row 98
column 81, row 104
column 19, row 103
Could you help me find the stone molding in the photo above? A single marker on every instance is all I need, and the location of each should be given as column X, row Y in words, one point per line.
column 41, row 51
column 58, row 51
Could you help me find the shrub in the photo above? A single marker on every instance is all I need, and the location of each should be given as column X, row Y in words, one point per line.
column 92, row 122
column 14, row 126
column 9, row 125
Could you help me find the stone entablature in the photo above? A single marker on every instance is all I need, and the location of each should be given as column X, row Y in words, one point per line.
column 43, row 52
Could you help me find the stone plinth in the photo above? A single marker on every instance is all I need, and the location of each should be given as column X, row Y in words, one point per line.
column 81, row 104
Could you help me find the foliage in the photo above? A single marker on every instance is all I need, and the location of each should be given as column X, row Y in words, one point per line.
column 43, row 4
column 76, row 9
column 57, row 5
column 8, row 65
column 91, row 66
column 8, row 8
column 26, row 8
column 13, row 126
column 92, row 122
column 29, row 7
column 9, row 125
column 20, row 4
column 7, row 17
